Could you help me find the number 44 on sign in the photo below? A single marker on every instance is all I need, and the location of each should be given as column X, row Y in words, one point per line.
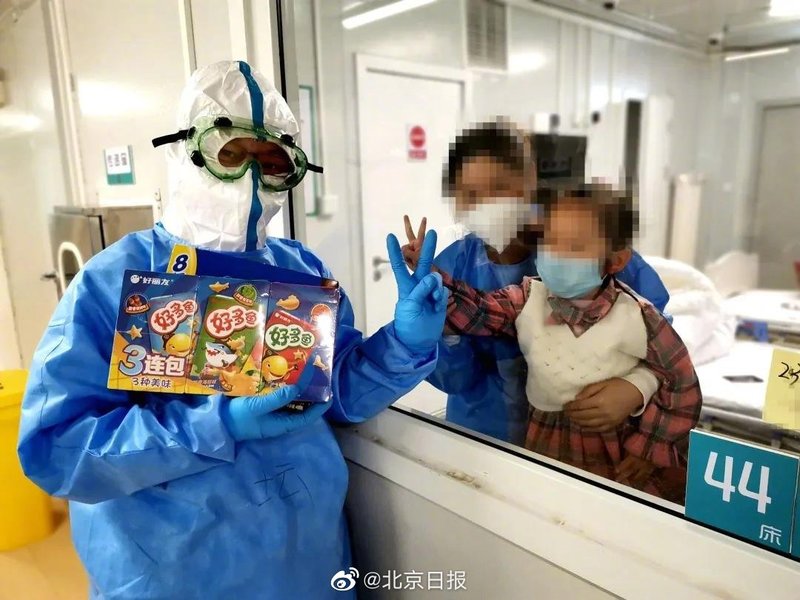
column 726, row 484
column 743, row 488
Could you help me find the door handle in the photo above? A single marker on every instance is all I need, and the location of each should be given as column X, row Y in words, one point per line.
column 76, row 253
column 377, row 263
column 53, row 276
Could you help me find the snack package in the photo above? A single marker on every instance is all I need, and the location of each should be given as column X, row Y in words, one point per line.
column 202, row 335
column 299, row 339
column 216, row 264
column 230, row 340
column 155, row 333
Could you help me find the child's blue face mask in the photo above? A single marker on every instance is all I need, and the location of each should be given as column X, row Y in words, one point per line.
column 568, row 277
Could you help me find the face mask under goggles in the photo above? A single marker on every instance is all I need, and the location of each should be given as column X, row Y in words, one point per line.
column 227, row 147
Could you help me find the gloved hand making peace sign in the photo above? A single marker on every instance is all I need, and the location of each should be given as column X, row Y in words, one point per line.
column 422, row 300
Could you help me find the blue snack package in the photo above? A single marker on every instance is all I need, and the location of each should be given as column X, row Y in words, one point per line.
column 155, row 333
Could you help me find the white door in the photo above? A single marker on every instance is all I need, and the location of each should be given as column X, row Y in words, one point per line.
column 31, row 180
column 407, row 117
column 776, row 240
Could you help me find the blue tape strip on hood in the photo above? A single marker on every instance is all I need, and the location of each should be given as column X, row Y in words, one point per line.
column 256, row 96
column 251, row 243
column 257, row 108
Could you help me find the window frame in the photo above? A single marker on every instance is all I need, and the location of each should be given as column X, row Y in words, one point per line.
column 473, row 475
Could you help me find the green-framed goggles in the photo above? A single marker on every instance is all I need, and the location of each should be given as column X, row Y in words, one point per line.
column 228, row 146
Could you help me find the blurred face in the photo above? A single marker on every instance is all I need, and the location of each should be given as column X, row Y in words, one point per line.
column 483, row 179
column 573, row 230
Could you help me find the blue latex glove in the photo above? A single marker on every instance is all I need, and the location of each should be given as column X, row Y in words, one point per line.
column 258, row 417
column 422, row 300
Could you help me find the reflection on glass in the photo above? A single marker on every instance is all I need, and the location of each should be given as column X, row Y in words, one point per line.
column 611, row 385
column 488, row 175
column 707, row 147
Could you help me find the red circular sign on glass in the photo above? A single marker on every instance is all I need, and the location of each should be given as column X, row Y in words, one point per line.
column 417, row 136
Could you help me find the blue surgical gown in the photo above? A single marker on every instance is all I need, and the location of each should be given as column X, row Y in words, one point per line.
column 485, row 377
column 164, row 503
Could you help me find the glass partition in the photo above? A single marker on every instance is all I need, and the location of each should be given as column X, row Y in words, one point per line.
column 641, row 165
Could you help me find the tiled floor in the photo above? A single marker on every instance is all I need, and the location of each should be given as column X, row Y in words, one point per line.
column 47, row 570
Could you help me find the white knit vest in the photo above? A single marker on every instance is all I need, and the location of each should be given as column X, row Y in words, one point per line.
column 560, row 365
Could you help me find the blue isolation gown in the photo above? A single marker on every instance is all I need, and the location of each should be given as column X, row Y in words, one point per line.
column 484, row 377
column 164, row 503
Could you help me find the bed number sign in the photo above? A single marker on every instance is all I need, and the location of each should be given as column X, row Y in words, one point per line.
column 745, row 489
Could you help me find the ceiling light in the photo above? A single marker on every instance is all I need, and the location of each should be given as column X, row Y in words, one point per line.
column 756, row 54
column 108, row 99
column 14, row 122
column 376, row 14
column 526, row 62
column 784, row 8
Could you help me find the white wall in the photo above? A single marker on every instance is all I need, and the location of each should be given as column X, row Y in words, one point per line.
column 425, row 497
column 641, row 69
column 212, row 33
column 520, row 95
column 128, row 92
column 31, row 182
column 731, row 153
column 427, row 538
column 581, row 70
column 128, row 68
column 306, row 44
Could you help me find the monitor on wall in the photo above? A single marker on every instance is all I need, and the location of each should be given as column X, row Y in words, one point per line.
column 559, row 157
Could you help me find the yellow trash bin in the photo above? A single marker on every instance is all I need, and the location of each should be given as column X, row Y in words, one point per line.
column 26, row 512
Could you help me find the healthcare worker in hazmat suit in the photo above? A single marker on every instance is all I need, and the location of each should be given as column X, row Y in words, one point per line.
column 180, row 497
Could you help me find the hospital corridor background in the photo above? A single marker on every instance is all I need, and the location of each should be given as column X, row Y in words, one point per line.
column 485, row 119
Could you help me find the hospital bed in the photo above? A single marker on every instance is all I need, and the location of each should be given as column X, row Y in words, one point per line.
column 733, row 372
column 735, row 277
column 734, row 387
column 778, row 309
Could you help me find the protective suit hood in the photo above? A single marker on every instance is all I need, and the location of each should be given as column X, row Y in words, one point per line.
column 202, row 209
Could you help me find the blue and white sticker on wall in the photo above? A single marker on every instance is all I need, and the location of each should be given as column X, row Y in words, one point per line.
column 119, row 165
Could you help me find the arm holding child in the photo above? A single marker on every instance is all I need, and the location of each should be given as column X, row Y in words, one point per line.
column 662, row 436
column 470, row 311
column 602, row 406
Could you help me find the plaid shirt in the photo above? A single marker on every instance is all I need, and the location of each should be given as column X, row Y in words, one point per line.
column 662, row 431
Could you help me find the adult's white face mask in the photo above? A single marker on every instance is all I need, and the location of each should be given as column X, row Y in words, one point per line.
column 214, row 214
column 206, row 211
column 497, row 220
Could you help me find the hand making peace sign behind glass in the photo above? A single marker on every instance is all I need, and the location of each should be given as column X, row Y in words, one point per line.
column 422, row 300
column 413, row 250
